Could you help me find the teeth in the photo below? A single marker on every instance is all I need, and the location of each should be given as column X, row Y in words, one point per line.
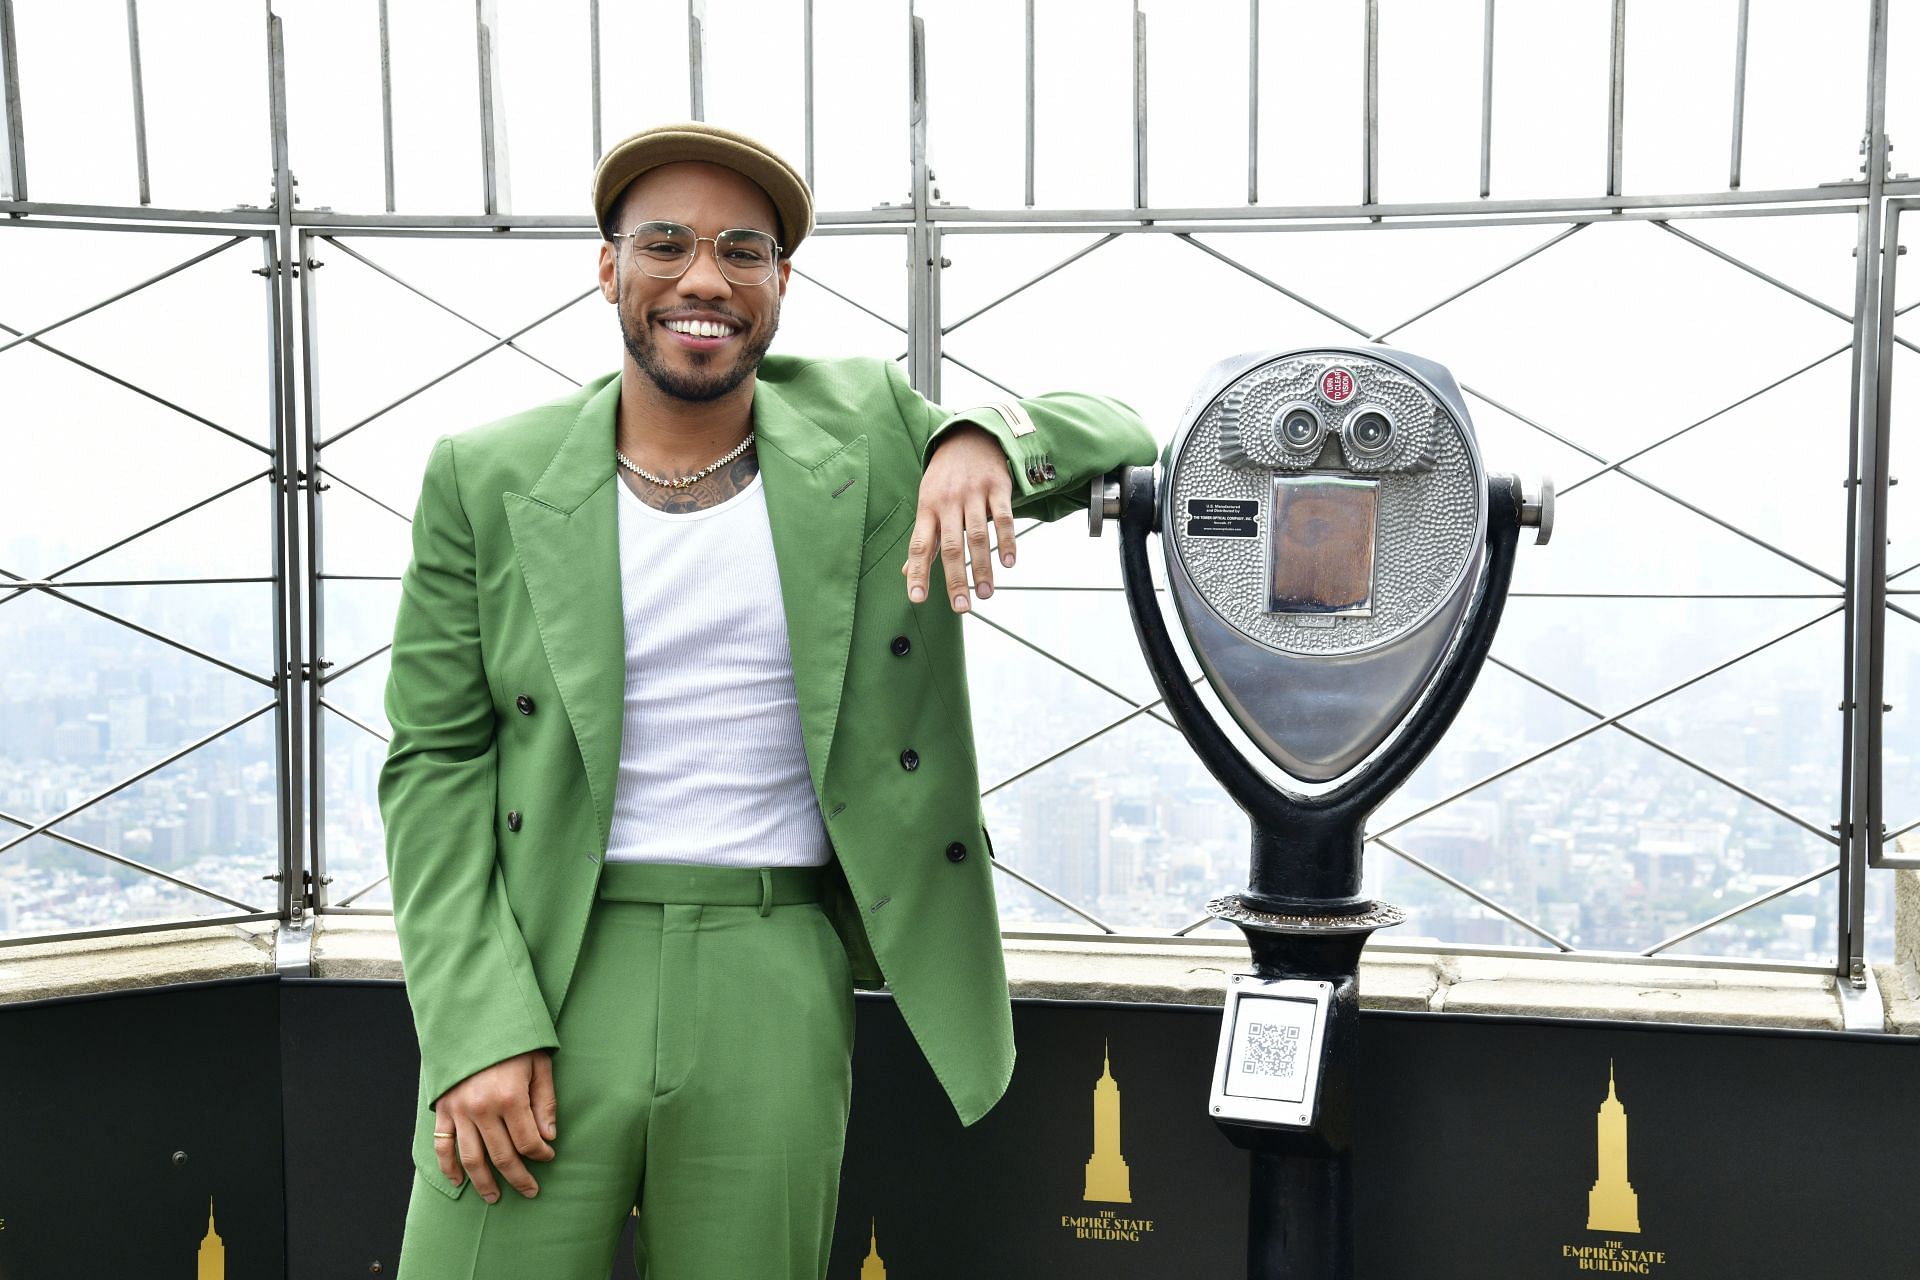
column 701, row 328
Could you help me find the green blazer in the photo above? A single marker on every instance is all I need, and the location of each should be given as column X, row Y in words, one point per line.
column 512, row 603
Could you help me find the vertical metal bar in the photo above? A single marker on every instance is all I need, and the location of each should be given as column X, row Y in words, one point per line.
column 1851, row 619
column 1617, row 98
column 315, row 639
column 493, row 133
column 1139, row 107
column 287, row 665
column 1253, row 99
column 1486, row 102
column 483, row 49
column 139, row 101
column 287, row 736
column 806, row 45
column 697, row 58
column 936, row 264
column 1739, row 96
column 1867, row 527
column 593, row 80
column 386, row 101
column 13, row 143
column 922, row 355
column 1030, row 122
column 917, row 113
column 1883, row 426
column 1370, row 110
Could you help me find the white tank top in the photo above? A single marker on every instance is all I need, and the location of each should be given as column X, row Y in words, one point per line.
column 713, row 769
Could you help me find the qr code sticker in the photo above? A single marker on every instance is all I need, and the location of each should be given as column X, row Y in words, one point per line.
column 1271, row 1049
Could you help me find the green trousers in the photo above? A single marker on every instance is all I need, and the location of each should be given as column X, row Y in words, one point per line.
column 703, row 1079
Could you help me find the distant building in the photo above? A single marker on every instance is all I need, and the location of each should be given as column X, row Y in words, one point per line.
column 170, row 847
column 127, row 722
column 1460, row 839
column 75, row 740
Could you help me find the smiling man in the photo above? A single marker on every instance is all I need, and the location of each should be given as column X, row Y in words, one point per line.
column 682, row 755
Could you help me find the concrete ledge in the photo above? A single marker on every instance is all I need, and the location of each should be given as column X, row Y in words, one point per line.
column 1189, row 974
column 1900, row 991
column 1639, row 993
column 78, row 967
column 356, row 947
column 363, row 947
column 1906, row 915
column 1900, row 981
column 1446, row 984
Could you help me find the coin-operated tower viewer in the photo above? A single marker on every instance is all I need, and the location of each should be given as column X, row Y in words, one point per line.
column 1338, row 558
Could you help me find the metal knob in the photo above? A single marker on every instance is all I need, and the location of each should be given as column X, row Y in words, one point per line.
column 1536, row 511
column 1103, row 503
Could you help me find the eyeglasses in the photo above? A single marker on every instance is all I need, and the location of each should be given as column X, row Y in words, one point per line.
column 666, row 249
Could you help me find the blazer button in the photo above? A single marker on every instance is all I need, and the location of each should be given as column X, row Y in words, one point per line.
column 901, row 646
column 525, row 704
column 909, row 759
column 956, row 852
column 513, row 819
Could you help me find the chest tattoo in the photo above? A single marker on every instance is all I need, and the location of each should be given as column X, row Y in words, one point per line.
column 708, row 491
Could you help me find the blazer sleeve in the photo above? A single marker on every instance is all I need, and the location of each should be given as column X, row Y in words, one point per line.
column 1055, row 444
column 469, row 977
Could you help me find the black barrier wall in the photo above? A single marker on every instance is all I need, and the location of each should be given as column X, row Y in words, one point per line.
column 127, row 1119
column 1489, row 1148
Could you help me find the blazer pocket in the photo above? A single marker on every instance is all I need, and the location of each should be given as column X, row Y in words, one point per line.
column 887, row 535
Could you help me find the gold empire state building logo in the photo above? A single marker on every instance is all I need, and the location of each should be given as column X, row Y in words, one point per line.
column 1107, row 1175
column 1612, row 1204
column 213, row 1251
column 872, row 1268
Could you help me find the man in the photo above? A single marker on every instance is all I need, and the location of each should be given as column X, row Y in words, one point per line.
column 678, row 759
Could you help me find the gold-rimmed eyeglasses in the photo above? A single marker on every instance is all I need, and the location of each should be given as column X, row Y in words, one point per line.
column 665, row 250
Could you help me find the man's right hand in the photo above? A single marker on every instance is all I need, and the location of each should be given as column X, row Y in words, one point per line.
column 500, row 1113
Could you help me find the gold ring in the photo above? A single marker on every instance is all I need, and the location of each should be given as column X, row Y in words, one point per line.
column 438, row 1134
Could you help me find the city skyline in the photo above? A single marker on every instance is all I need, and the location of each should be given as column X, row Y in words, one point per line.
column 1606, row 844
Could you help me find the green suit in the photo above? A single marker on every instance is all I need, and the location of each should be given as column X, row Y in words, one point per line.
column 507, row 686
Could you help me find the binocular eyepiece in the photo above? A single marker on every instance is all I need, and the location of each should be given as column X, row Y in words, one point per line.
column 1324, row 520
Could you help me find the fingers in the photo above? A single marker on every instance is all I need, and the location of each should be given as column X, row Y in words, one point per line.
column 496, row 1120
column 503, row 1139
column 953, row 557
column 467, row 1136
column 502, row 1135
column 506, row 1158
column 958, row 540
column 966, row 498
column 546, row 1107
column 523, row 1128
column 1003, row 525
column 443, row 1148
column 919, row 553
column 936, row 529
column 979, row 551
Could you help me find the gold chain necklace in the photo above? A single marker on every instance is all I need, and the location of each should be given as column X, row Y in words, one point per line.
column 684, row 481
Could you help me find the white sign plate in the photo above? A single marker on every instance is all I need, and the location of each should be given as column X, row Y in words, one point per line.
column 1267, row 1068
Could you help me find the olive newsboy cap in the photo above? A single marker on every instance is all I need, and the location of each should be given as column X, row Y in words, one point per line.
column 692, row 140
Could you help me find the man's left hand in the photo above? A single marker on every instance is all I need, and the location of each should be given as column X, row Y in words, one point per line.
column 965, row 490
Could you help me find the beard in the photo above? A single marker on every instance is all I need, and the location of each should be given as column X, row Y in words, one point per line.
column 707, row 380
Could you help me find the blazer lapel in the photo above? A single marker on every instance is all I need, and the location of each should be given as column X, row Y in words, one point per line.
column 816, row 487
column 567, row 537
